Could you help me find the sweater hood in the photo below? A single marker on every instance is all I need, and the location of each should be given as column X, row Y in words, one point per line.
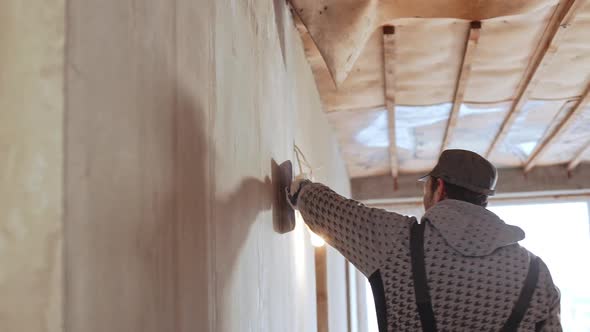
column 470, row 229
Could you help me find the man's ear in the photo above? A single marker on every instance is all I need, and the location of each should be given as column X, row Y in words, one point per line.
column 441, row 190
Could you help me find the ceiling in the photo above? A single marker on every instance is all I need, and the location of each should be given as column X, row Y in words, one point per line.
column 402, row 80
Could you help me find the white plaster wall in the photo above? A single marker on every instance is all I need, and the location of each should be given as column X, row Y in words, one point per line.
column 31, row 160
column 175, row 114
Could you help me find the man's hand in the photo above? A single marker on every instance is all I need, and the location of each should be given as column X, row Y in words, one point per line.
column 293, row 191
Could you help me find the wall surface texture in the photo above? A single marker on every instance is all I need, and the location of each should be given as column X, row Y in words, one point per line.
column 139, row 142
column 31, row 160
column 175, row 114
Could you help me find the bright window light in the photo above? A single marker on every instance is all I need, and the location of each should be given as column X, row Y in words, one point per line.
column 371, row 311
column 559, row 233
column 316, row 240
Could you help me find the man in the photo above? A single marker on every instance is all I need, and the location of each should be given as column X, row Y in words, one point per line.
column 460, row 269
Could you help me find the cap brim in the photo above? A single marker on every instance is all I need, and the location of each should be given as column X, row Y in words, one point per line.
column 424, row 178
column 488, row 192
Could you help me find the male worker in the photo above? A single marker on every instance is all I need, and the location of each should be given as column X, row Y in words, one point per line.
column 460, row 269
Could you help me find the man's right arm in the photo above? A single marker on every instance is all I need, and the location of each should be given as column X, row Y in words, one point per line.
column 362, row 234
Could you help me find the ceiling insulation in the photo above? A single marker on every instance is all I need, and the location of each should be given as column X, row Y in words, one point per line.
column 363, row 140
column 567, row 74
column 570, row 142
column 526, row 70
column 477, row 125
column 531, row 124
column 419, row 132
column 341, row 28
column 585, row 155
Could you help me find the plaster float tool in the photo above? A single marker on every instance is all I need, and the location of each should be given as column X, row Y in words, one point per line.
column 286, row 217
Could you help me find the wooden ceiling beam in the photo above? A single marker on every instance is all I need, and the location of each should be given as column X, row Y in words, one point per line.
column 462, row 80
column 389, row 88
column 545, row 180
column 548, row 46
column 543, row 146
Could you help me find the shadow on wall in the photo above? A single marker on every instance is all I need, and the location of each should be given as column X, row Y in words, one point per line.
column 212, row 231
column 150, row 246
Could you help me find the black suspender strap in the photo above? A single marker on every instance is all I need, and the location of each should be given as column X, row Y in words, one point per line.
column 419, row 274
column 526, row 294
column 379, row 296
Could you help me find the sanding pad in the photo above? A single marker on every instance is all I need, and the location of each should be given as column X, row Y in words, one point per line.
column 285, row 218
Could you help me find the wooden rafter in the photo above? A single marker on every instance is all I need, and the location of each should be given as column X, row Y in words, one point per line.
column 578, row 158
column 462, row 80
column 559, row 129
column 549, row 43
column 389, row 73
column 541, row 181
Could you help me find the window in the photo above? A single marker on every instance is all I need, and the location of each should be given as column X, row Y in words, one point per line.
column 560, row 234
column 372, row 313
